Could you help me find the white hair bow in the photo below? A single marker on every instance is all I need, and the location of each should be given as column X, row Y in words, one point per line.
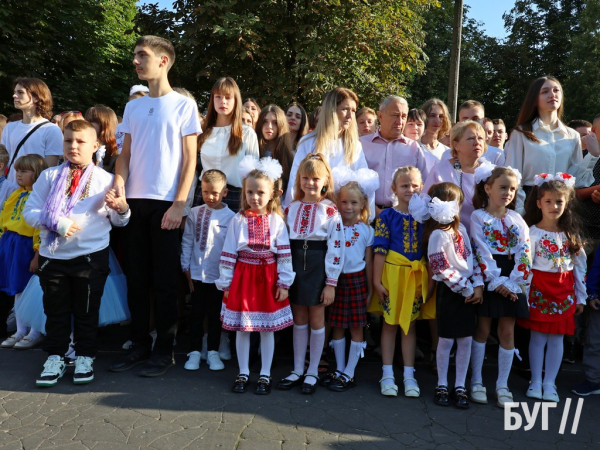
column 269, row 166
column 367, row 179
column 483, row 171
column 542, row 178
column 422, row 208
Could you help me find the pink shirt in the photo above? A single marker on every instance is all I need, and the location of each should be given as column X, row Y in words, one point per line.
column 384, row 157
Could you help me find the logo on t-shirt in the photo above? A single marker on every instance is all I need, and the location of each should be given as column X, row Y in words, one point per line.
column 151, row 111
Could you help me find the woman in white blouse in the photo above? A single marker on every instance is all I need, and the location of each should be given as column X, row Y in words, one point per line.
column 541, row 143
column 226, row 140
column 336, row 137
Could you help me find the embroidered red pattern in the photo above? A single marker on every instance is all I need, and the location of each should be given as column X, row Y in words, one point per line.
column 259, row 234
column 305, row 218
column 462, row 251
column 202, row 225
column 438, row 262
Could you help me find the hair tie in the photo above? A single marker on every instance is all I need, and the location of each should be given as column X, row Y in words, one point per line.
column 367, row 179
column 268, row 166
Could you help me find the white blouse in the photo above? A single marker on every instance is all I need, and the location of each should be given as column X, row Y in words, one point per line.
column 507, row 236
column 452, row 261
column 215, row 155
column 550, row 252
column 319, row 222
column 559, row 150
column 357, row 238
column 203, row 240
column 256, row 240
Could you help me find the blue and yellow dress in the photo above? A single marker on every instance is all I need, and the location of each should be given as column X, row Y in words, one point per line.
column 398, row 236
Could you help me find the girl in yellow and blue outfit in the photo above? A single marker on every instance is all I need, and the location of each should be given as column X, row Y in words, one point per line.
column 400, row 280
column 19, row 243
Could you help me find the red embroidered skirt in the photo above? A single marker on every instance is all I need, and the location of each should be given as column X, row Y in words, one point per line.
column 349, row 308
column 551, row 303
column 251, row 304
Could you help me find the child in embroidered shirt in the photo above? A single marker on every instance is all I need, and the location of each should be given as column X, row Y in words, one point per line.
column 557, row 291
column 349, row 310
column 500, row 240
column 256, row 269
column 316, row 237
column 400, row 280
column 459, row 287
column 74, row 207
column 201, row 247
column 19, row 246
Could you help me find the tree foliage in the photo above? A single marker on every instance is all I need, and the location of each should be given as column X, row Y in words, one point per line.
column 80, row 48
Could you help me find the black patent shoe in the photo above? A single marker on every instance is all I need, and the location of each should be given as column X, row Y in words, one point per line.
column 241, row 383
column 285, row 384
column 342, row 383
column 136, row 355
column 329, row 378
column 441, row 396
column 459, row 397
column 308, row 388
column 157, row 366
column 263, row 387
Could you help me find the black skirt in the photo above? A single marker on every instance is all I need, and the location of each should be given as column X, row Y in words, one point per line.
column 495, row 305
column 455, row 318
column 309, row 265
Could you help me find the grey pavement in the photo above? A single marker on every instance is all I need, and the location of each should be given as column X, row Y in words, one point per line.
column 197, row 410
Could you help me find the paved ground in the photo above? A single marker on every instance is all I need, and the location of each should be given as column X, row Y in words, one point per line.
column 196, row 410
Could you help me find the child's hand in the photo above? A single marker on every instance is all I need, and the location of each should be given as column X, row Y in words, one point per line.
column 110, row 199
column 477, row 296
column 226, row 293
column 579, row 309
column 596, row 196
column 74, row 228
column 119, row 204
column 34, row 265
column 594, row 303
column 328, row 295
column 503, row 291
column 281, row 294
column 382, row 292
column 188, row 275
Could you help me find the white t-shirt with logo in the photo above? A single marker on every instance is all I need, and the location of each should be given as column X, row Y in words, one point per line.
column 47, row 140
column 157, row 126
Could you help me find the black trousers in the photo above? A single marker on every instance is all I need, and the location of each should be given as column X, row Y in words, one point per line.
column 206, row 302
column 6, row 304
column 151, row 257
column 73, row 288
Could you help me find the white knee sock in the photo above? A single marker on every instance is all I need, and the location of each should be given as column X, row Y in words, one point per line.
column 477, row 357
column 537, row 343
column 388, row 371
column 442, row 357
column 267, row 348
column 505, row 360
column 463, row 356
column 300, row 345
column 242, row 348
column 317, row 340
column 356, row 352
column 554, row 354
column 339, row 350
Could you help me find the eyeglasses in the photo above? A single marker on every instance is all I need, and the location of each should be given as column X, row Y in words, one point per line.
column 74, row 112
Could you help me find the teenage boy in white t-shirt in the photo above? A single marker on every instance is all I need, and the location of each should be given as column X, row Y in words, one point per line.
column 155, row 171
column 33, row 98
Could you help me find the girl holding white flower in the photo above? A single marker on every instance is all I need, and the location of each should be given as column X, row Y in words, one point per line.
column 557, row 291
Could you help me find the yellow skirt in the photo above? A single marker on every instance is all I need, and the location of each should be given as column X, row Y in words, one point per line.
column 406, row 282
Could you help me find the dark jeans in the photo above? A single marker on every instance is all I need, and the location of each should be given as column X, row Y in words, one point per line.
column 151, row 257
column 6, row 304
column 206, row 302
column 73, row 289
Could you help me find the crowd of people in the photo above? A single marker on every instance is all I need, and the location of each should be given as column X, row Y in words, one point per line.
column 276, row 218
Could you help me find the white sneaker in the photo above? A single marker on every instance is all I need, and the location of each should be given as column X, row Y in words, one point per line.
column 54, row 368
column 193, row 362
column 204, row 352
column 214, row 361
column 84, row 370
column 224, row 349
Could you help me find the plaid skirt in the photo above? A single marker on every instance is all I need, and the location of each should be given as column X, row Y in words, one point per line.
column 349, row 308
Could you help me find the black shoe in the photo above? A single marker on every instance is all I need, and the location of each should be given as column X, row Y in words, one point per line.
column 308, row 388
column 460, row 398
column 329, row 378
column 241, row 383
column 263, row 386
column 569, row 353
column 157, row 366
column 285, row 384
column 137, row 354
column 342, row 383
column 441, row 396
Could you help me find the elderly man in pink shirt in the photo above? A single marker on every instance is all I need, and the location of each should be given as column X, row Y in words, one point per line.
column 387, row 149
